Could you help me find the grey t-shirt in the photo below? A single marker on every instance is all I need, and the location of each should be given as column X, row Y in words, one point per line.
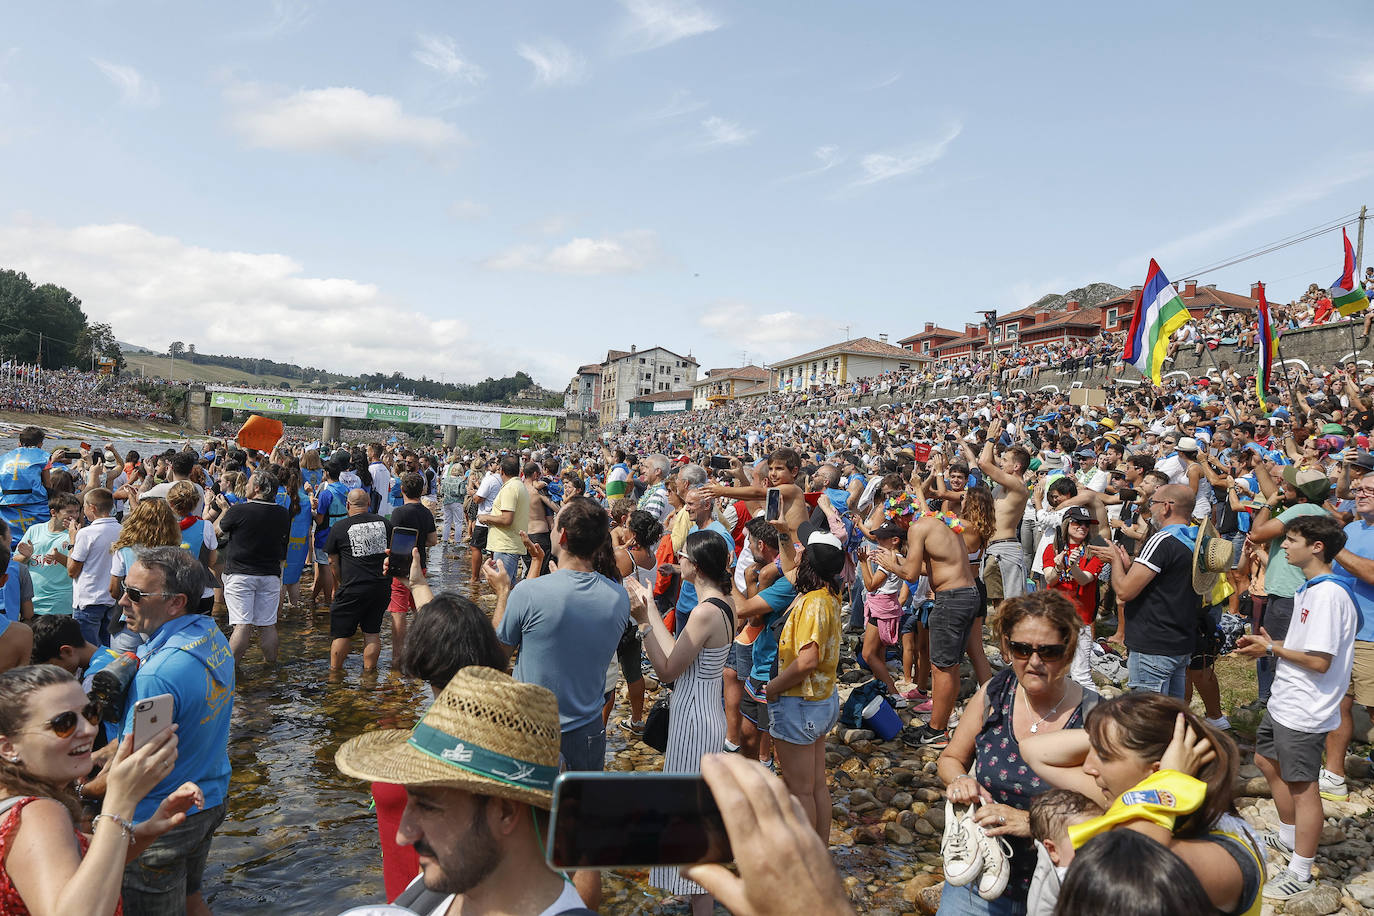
column 567, row 625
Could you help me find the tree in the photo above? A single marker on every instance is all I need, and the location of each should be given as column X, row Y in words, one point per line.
column 469, row 439
column 176, row 348
column 97, row 341
column 30, row 314
column 191, row 352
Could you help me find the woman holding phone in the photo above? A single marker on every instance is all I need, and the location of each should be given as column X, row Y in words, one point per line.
column 694, row 662
column 50, row 867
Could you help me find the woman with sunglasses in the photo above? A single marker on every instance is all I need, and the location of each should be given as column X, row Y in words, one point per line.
column 1138, row 736
column 988, row 851
column 50, row 867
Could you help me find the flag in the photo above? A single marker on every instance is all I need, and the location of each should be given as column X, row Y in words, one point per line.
column 1347, row 293
column 1158, row 314
column 1268, row 352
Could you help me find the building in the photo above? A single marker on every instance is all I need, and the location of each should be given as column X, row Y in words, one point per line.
column 626, row 375
column 648, row 405
column 720, row 386
column 925, row 342
column 974, row 339
column 1199, row 300
column 842, row 363
column 583, row 393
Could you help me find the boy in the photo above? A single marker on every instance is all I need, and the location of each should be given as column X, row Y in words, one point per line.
column 1051, row 815
column 57, row 640
column 783, row 467
column 1311, row 677
column 89, row 565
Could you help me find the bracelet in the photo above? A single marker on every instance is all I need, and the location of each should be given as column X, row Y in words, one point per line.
column 124, row 825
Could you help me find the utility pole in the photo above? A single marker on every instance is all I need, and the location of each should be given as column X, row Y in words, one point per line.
column 1359, row 246
column 40, row 349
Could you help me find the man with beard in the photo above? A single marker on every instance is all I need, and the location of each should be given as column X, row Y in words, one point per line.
column 478, row 771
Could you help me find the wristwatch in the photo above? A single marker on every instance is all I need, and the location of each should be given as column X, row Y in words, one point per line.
column 1269, row 650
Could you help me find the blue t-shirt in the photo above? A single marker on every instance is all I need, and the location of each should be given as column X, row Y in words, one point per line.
column 1359, row 540
column 567, row 625
column 189, row 658
column 687, row 595
column 779, row 597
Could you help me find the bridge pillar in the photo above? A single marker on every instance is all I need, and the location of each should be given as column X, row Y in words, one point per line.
column 332, row 428
column 198, row 411
column 450, row 436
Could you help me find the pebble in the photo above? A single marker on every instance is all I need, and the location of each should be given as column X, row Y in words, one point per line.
column 1321, row 900
column 896, row 833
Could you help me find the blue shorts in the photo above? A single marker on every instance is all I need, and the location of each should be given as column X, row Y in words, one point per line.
column 741, row 659
column 800, row 721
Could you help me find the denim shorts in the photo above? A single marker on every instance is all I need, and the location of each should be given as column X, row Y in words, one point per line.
column 741, row 659
column 801, row 721
column 159, row 881
column 584, row 748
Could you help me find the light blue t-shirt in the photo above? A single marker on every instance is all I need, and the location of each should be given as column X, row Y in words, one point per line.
column 1359, row 540
column 779, row 596
column 687, row 595
column 1281, row 578
column 567, row 625
column 189, row 658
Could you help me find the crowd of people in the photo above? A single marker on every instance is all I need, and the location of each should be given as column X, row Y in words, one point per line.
column 71, row 392
column 732, row 554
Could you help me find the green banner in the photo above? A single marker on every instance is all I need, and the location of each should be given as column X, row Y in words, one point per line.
column 396, row 413
column 528, row 423
column 265, row 403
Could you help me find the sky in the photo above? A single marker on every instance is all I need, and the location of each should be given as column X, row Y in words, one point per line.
column 462, row 190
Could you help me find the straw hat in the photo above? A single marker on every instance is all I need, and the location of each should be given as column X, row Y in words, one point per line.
column 1211, row 557
column 486, row 733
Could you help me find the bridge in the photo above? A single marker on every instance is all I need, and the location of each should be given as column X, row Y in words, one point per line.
column 209, row 402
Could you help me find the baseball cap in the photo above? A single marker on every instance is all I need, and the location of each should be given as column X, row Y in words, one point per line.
column 888, row 529
column 1079, row 514
column 823, row 549
column 1310, row 483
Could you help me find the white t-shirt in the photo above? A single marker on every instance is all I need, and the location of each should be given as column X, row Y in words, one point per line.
column 487, row 491
column 1324, row 620
column 381, row 485
column 568, row 900
column 92, row 550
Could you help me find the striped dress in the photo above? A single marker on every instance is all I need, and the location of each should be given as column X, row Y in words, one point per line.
column 696, row 726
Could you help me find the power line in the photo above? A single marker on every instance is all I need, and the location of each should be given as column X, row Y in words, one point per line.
column 1270, row 248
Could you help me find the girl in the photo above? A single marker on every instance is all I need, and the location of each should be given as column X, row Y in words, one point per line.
column 882, row 610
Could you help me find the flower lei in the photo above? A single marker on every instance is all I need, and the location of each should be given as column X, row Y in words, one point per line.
column 905, row 509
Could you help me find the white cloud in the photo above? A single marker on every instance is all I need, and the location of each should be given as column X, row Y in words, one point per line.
column 766, row 335
column 630, row 252
column 554, row 63
column 287, row 16
column 156, row 288
column 440, row 54
column 134, row 90
column 467, row 210
column 680, row 104
column 828, row 156
column 878, row 167
column 1361, row 77
column 338, row 119
column 720, row 132
column 655, row 23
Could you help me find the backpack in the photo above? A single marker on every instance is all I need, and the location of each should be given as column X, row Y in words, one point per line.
column 852, row 713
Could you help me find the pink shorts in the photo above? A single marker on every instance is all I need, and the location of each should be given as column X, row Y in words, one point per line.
column 885, row 613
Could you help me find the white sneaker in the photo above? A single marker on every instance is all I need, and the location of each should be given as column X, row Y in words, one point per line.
column 1221, row 724
column 960, row 848
column 1331, row 786
column 996, row 865
column 1285, row 885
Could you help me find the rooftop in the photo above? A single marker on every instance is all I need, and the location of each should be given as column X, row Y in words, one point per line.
column 858, row 346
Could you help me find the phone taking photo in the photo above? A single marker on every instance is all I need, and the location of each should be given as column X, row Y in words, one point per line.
column 403, row 541
column 772, row 506
column 634, row 820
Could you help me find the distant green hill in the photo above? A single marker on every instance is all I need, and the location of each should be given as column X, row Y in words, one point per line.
column 150, row 364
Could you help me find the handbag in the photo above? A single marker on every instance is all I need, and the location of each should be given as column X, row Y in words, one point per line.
column 656, row 725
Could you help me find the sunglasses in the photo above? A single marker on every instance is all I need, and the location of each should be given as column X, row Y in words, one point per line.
column 136, row 595
column 63, row 725
column 1022, row 651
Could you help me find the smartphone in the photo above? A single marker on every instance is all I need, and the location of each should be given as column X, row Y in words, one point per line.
column 151, row 717
column 772, row 507
column 634, row 820
column 720, row 462
column 403, row 541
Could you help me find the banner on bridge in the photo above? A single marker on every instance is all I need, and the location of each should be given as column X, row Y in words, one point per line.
column 384, row 412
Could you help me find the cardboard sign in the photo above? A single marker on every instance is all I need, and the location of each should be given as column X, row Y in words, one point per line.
column 921, row 451
column 1088, row 397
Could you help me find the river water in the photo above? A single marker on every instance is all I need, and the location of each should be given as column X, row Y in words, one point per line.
column 299, row 836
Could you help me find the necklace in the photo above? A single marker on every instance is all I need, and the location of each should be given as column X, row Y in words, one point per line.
column 1035, row 727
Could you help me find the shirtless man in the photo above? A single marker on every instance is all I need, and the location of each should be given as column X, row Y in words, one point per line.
column 541, row 507
column 934, row 550
column 946, row 484
column 783, row 466
column 1004, row 567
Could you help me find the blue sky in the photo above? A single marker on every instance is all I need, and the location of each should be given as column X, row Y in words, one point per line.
column 469, row 189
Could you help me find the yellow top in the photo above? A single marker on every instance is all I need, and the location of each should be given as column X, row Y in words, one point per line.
column 506, row 538
column 815, row 618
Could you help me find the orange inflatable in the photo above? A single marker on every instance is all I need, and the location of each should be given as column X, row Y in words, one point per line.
column 260, row 433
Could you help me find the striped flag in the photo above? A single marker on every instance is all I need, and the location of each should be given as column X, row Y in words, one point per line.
column 1268, row 353
column 1158, row 314
column 1347, row 293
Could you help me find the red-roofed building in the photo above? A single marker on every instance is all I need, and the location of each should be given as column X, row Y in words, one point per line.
column 1199, row 300
column 925, row 342
column 974, row 338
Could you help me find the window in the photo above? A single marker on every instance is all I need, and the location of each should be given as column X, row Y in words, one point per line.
column 925, row 346
column 1111, row 317
column 641, row 360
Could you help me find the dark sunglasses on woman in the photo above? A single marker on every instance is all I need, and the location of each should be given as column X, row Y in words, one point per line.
column 1022, row 651
column 63, row 725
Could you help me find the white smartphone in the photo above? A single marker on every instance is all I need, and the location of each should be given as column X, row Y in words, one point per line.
column 151, row 717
